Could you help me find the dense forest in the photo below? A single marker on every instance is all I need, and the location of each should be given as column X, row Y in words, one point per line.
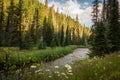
column 105, row 36
column 29, row 23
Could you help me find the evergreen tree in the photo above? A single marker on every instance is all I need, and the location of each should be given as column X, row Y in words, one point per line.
column 54, row 41
column 100, row 44
column 62, row 36
column 95, row 20
column 34, row 28
column 114, row 26
column 1, row 21
column 68, row 37
column 98, row 37
column 73, row 36
column 77, row 31
column 104, row 11
column 47, row 32
column 95, row 12
column 27, row 42
column 11, row 28
column 19, row 21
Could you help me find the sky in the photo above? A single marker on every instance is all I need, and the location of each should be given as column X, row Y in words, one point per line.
column 82, row 8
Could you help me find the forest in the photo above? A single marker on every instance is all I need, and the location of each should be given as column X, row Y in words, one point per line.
column 29, row 23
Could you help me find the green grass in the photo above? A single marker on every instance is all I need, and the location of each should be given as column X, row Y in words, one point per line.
column 107, row 68
column 18, row 58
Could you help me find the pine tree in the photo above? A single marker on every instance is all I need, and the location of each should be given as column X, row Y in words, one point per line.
column 47, row 31
column 11, row 27
column 73, row 36
column 19, row 21
column 95, row 12
column 95, row 20
column 27, row 42
column 68, row 37
column 104, row 11
column 114, row 26
column 35, row 26
column 77, row 31
column 62, row 36
column 98, row 37
column 1, row 21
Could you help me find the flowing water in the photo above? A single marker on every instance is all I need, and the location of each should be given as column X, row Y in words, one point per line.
column 76, row 55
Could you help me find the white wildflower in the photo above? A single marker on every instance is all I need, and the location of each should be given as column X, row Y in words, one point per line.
column 33, row 66
column 66, row 77
column 49, row 76
column 68, row 67
column 47, row 70
column 56, row 67
column 57, row 72
column 69, row 71
column 38, row 70
column 63, row 74
column 58, row 75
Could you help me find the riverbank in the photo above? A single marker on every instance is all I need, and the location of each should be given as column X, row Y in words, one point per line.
column 105, row 68
column 71, row 58
column 16, row 59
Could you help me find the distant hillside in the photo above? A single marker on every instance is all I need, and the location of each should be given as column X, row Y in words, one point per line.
column 33, row 17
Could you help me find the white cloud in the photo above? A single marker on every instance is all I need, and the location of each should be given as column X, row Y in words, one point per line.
column 73, row 8
column 85, row 17
column 86, row 3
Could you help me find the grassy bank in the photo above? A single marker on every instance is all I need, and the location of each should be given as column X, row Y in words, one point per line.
column 18, row 58
column 107, row 68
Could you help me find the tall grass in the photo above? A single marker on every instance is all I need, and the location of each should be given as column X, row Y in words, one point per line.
column 34, row 56
column 107, row 68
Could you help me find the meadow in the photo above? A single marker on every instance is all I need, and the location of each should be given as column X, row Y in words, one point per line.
column 104, row 68
column 14, row 58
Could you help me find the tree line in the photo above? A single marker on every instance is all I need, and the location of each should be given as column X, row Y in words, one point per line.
column 105, row 37
column 29, row 23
